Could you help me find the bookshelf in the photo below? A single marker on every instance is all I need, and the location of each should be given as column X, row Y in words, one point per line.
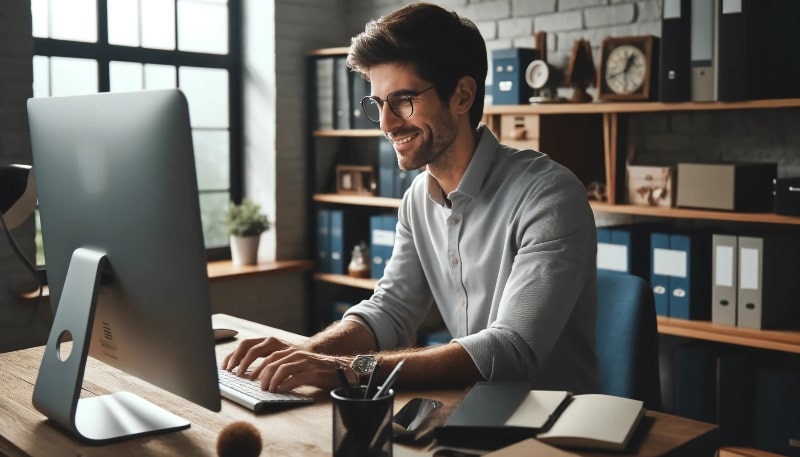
column 550, row 127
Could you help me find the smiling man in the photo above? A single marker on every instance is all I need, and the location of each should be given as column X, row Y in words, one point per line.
column 501, row 241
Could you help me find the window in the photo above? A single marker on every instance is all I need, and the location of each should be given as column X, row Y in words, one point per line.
column 87, row 46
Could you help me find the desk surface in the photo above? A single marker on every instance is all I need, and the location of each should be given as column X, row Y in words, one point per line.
column 300, row 431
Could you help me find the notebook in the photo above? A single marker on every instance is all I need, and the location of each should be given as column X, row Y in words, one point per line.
column 247, row 392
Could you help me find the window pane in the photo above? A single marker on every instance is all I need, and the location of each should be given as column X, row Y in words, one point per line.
column 123, row 22
column 40, row 18
column 72, row 76
column 41, row 76
column 74, row 20
column 159, row 76
column 211, row 158
column 213, row 206
column 125, row 76
column 202, row 27
column 158, row 24
column 206, row 90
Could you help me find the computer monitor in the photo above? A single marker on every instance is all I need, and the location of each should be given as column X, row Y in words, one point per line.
column 125, row 256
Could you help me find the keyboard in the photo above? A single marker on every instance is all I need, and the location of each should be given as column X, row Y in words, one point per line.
column 247, row 392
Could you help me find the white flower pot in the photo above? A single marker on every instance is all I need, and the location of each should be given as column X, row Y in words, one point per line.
column 244, row 249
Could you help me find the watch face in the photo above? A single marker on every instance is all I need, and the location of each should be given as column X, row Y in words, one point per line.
column 364, row 365
column 625, row 69
column 537, row 74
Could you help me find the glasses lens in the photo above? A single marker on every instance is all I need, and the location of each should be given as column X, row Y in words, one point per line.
column 372, row 109
column 401, row 105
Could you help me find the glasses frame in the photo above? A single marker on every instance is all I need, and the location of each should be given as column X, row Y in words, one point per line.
column 405, row 95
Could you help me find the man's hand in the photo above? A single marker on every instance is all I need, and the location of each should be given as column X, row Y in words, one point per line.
column 284, row 366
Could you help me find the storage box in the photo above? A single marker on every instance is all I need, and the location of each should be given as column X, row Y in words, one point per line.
column 509, row 86
column 787, row 196
column 745, row 187
column 650, row 185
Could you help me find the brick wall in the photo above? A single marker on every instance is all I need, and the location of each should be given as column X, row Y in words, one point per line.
column 663, row 138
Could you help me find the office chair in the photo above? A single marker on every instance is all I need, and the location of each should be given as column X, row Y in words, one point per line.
column 627, row 338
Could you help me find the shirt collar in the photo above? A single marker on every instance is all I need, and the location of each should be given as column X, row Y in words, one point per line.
column 476, row 171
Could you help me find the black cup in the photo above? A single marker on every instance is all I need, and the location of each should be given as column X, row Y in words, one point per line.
column 362, row 427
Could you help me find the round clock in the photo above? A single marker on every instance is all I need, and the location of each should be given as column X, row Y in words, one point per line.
column 544, row 80
column 538, row 74
column 628, row 68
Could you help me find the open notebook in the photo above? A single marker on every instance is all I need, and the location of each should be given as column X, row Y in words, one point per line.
column 493, row 415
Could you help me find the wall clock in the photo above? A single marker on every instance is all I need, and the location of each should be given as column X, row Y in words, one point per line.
column 628, row 68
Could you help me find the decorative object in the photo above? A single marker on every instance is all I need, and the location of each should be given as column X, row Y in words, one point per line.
column 359, row 261
column 581, row 72
column 628, row 68
column 544, row 80
column 650, row 185
column 355, row 179
column 239, row 439
column 245, row 225
column 509, row 66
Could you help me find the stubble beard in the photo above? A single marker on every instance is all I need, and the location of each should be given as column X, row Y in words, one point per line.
column 436, row 149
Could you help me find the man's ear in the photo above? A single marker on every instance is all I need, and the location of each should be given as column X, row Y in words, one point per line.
column 464, row 95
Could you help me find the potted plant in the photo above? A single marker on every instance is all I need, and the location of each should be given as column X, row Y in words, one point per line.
column 245, row 224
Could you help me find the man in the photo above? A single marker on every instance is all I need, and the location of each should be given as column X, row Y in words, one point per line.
column 502, row 241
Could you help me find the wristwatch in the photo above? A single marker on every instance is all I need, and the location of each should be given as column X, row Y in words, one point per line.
column 364, row 366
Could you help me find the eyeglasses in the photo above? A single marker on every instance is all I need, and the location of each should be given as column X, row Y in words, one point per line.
column 400, row 102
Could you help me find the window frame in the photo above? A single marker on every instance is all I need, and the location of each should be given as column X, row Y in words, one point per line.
column 103, row 53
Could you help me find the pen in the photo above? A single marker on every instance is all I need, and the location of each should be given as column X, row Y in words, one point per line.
column 343, row 381
column 389, row 381
column 371, row 383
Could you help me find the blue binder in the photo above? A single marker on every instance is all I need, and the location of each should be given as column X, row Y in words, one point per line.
column 337, row 248
column 382, row 230
column 347, row 229
column 659, row 280
column 387, row 169
column 624, row 248
column 690, row 293
column 402, row 181
column 323, row 241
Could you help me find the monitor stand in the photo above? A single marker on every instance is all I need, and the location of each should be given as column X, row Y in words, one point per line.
column 58, row 386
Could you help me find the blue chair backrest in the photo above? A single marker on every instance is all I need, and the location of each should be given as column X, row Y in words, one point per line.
column 627, row 338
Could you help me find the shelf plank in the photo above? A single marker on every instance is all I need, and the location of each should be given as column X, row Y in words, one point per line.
column 342, row 50
column 348, row 133
column 777, row 340
column 633, row 107
column 359, row 200
column 344, row 280
column 688, row 213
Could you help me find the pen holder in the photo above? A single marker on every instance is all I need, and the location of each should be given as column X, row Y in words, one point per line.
column 362, row 427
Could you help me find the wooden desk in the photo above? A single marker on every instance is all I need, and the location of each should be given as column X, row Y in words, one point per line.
column 301, row 431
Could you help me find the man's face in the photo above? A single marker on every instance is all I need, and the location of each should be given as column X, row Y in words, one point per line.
column 429, row 132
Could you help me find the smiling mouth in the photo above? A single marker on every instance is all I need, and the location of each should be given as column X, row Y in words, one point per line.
column 400, row 140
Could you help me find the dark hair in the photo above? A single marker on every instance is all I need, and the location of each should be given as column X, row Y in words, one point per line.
column 442, row 46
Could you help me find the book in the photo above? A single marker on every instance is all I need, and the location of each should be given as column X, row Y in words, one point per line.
column 496, row 414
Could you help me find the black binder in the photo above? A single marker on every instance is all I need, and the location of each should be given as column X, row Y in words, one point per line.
column 359, row 88
column 732, row 52
column 675, row 73
column 757, row 52
column 341, row 94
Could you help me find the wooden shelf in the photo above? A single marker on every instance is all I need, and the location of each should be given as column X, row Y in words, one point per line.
column 348, row 133
column 634, row 107
column 359, row 200
column 687, row 213
column 777, row 340
column 344, row 280
column 217, row 270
